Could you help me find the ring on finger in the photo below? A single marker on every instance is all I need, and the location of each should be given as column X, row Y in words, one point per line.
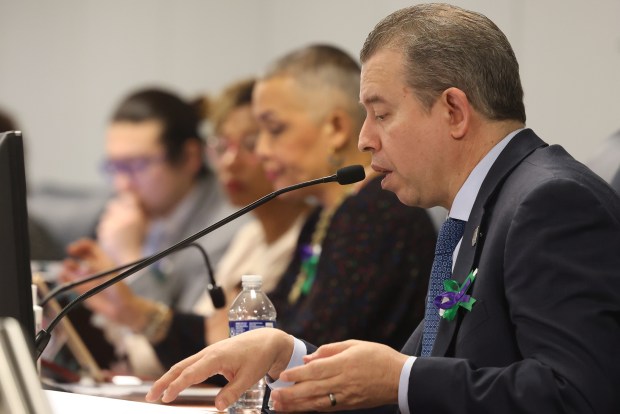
column 332, row 399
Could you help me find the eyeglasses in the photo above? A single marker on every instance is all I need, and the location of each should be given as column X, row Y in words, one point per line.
column 130, row 166
column 220, row 145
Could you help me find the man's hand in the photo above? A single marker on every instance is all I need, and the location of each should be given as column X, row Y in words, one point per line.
column 85, row 258
column 243, row 360
column 122, row 228
column 117, row 302
column 358, row 374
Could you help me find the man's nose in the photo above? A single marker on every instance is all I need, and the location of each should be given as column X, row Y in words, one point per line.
column 122, row 181
column 368, row 140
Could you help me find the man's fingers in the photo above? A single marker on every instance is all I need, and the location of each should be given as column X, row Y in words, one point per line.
column 303, row 391
column 308, row 404
column 159, row 386
column 328, row 350
column 69, row 268
column 80, row 247
column 320, row 368
column 173, row 373
column 318, row 401
column 232, row 391
column 187, row 378
column 313, row 381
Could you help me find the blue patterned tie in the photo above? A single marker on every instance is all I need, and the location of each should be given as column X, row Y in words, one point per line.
column 449, row 235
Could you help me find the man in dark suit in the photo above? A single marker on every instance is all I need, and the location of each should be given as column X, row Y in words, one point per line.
column 523, row 313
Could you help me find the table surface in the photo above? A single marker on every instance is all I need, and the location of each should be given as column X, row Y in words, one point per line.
column 200, row 396
column 72, row 403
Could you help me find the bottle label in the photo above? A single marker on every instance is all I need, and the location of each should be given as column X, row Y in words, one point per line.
column 239, row 327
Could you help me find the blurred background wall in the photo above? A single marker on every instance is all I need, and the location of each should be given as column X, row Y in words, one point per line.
column 64, row 64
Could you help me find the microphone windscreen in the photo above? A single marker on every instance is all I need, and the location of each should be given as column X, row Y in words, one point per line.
column 350, row 174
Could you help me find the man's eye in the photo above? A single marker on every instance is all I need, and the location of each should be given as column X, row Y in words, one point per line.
column 379, row 117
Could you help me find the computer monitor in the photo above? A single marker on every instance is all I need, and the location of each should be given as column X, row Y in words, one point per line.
column 20, row 387
column 15, row 275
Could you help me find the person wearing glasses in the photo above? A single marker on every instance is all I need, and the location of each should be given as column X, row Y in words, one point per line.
column 164, row 192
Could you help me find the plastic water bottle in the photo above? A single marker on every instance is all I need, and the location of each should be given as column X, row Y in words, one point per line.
column 252, row 309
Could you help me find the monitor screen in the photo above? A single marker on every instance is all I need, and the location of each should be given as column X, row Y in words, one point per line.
column 15, row 275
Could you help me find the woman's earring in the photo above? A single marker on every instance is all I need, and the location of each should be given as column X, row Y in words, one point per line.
column 335, row 160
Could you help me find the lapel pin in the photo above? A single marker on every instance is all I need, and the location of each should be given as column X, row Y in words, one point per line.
column 474, row 238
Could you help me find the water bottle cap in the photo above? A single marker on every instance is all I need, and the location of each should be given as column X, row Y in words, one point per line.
column 251, row 278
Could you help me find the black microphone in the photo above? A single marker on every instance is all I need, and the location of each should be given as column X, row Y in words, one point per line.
column 215, row 292
column 344, row 176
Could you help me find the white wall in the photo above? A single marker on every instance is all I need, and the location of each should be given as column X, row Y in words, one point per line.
column 64, row 64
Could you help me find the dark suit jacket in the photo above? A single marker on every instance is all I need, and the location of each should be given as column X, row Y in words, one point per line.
column 544, row 334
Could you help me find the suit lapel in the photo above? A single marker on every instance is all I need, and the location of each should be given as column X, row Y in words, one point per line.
column 523, row 144
column 413, row 346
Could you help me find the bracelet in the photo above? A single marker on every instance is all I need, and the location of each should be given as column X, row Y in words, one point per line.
column 159, row 321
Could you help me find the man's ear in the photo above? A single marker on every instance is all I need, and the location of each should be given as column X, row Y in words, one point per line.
column 458, row 111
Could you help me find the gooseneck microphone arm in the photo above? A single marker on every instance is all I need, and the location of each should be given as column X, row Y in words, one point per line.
column 346, row 175
column 60, row 289
column 216, row 292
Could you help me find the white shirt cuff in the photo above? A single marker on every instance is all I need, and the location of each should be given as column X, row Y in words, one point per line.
column 403, row 386
column 297, row 359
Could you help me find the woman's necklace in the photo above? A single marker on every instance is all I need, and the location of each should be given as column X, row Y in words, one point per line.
column 311, row 253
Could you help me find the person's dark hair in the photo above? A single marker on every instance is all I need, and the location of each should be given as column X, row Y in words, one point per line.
column 6, row 122
column 327, row 67
column 179, row 119
column 445, row 46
